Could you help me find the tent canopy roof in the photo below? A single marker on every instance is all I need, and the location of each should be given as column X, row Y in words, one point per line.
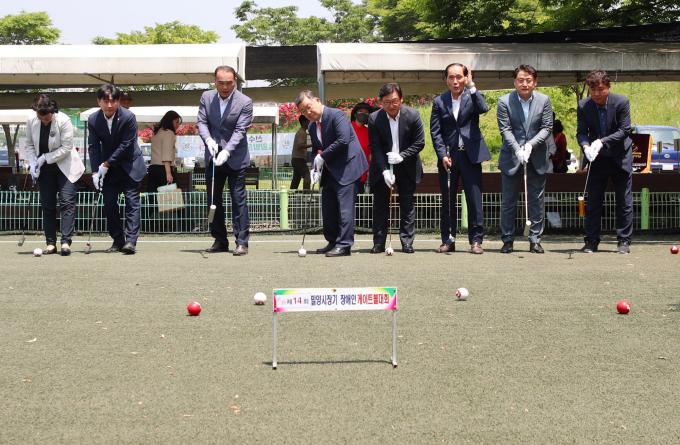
column 15, row 117
column 57, row 66
column 152, row 115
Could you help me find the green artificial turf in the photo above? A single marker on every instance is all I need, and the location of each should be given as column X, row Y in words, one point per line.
column 99, row 348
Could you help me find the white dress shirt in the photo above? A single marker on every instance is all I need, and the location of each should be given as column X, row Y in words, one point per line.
column 224, row 103
column 456, row 105
column 394, row 129
column 109, row 121
column 318, row 127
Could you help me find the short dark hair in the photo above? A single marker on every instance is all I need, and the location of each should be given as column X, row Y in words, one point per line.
column 360, row 106
column 557, row 126
column 108, row 90
column 527, row 69
column 226, row 68
column 166, row 122
column 389, row 89
column 44, row 104
column 595, row 77
column 446, row 70
column 302, row 119
column 300, row 97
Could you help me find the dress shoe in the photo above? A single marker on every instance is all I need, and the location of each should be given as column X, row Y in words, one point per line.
column 129, row 248
column 326, row 249
column 476, row 248
column 378, row 248
column 49, row 251
column 113, row 249
column 623, row 247
column 507, row 247
column 589, row 248
column 241, row 250
column 536, row 248
column 338, row 251
column 446, row 248
column 407, row 248
column 65, row 250
column 217, row 247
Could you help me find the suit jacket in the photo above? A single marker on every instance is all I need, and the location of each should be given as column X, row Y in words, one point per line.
column 516, row 132
column 228, row 130
column 616, row 139
column 446, row 130
column 62, row 152
column 340, row 148
column 120, row 147
column 411, row 143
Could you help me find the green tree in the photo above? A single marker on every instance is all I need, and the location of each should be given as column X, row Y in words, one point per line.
column 28, row 28
column 398, row 20
column 165, row 33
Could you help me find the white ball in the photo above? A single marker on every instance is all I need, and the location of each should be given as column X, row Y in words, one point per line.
column 389, row 251
column 462, row 293
column 302, row 252
column 37, row 251
column 260, row 298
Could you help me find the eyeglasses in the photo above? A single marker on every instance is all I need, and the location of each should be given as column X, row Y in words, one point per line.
column 527, row 80
column 387, row 103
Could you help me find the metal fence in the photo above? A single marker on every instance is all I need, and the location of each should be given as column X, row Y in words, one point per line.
column 288, row 210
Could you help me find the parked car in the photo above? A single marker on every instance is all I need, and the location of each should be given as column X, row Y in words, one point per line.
column 4, row 157
column 668, row 159
column 146, row 152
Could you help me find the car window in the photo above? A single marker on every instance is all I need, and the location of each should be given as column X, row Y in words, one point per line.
column 666, row 136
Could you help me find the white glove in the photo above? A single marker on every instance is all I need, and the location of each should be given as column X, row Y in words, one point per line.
column 527, row 151
column 315, row 176
column 212, row 146
column 521, row 155
column 41, row 161
column 102, row 172
column 394, row 158
column 35, row 171
column 318, row 163
column 590, row 153
column 389, row 179
column 222, row 157
column 596, row 146
column 96, row 181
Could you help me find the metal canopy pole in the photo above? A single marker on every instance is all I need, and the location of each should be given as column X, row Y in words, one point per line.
column 275, row 160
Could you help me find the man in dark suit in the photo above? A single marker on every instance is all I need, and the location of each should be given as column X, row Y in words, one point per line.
column 525, row 120
column 224, row 116
column 602, row 132
column 339, row 165
column 118, row 165
column 396, row 137
column 461, row 149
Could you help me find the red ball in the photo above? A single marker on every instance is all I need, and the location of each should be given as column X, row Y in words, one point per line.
column 623, row 307
column 194, row 308
column 675, row 250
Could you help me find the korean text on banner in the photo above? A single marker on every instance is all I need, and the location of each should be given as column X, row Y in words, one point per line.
column 335, row 299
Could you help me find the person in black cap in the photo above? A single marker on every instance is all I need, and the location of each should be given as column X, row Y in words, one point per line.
column 125, row 99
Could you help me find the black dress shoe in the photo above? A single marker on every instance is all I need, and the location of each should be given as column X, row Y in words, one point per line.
column 338, row 251
column 217, row 247
column 129, row 248
column 378, row 248
column 65, row 251
column 589, row 248
column 50, row 251
column 113, row 249
column 326, row 249
column 407, row 248
column 623, row 247
column 507, row 247
column 536, row 248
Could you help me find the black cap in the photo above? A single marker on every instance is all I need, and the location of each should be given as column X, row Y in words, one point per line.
column 125, row 95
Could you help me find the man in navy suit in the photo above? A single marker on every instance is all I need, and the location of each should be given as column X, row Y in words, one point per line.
column 396, row 137
column 224, row 116
column 118, row 165
column 339, row 165
column 602, row 132
column 460, row 147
